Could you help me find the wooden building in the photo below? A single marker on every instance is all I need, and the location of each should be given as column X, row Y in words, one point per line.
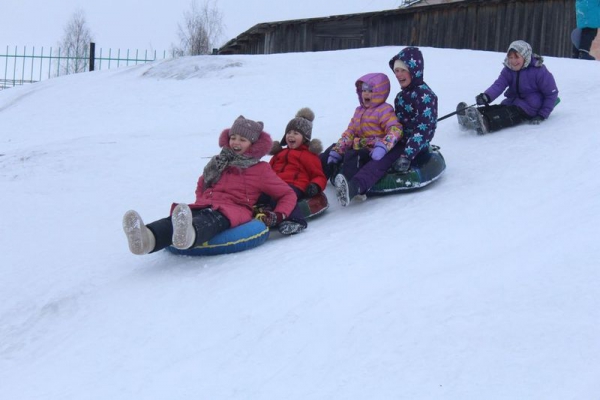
column 470, row 24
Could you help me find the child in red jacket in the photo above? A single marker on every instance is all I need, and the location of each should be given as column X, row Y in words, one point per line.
column 298, row 165
column 225, row 195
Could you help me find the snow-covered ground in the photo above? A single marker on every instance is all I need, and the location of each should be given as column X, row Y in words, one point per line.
column 484, row 285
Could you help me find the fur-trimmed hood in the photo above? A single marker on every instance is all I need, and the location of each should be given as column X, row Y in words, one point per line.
column 257, row 150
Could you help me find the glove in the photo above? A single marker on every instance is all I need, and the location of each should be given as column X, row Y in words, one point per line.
column 482, row 99
column 312, row 190
column 270, row 218
column 402, row 164
column 334, row 157
column 536, row 120
column 378, row 151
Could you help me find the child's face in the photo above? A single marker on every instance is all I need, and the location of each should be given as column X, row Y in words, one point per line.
column 294, row 139
column 515, row 60
column 403, row 76
column 367, row 96
column 239, row 144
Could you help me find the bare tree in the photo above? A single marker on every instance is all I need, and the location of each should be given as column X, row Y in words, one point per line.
column 75, row 45
column 201, row 30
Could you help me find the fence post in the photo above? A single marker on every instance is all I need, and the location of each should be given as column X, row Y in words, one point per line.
column 92, row 55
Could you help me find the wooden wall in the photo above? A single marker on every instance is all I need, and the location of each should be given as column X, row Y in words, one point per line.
column 471, row 24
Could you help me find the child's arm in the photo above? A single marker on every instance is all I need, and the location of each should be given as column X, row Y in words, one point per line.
column 423, row 122
column 274, row 187
column 390, row 125
column 500, row 84
column 315, row 172
column 200, row 187
column 347, row 139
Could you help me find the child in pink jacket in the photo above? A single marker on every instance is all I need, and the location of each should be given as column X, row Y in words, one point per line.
column 225, row 195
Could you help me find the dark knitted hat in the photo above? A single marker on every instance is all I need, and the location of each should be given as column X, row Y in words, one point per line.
column 247, row 128
column 301, row 123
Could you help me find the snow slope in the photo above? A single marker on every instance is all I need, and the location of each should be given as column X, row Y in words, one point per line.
column 483, row 285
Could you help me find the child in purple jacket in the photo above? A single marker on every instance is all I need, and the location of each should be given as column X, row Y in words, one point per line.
column 529, row 89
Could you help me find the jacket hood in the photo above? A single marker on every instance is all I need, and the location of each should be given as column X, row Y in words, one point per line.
column 413, row 58
column 524, row 50
column 257, row 150
column 380, row 85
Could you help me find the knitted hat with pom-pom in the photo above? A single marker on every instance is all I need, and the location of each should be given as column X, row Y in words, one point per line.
column 301, row 123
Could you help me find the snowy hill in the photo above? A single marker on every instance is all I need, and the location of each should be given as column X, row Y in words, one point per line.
column 483, row 285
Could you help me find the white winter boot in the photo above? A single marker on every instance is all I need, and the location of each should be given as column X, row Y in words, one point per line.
column 184, row 234
column 141, row 239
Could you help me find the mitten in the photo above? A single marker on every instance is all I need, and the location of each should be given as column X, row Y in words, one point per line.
column 378, row 151
column 402, row 164
column 312, row 190
column 334, row 157
column 482, row 99
column 270, row 218
column 536, row 120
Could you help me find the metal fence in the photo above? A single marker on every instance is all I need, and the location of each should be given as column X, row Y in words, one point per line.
column 23, row 66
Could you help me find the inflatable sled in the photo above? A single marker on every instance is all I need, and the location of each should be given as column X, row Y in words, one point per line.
column 242, row 237
column 425, row 169
column 313, row 206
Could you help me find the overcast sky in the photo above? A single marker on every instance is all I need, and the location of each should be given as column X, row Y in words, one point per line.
column 152, row 25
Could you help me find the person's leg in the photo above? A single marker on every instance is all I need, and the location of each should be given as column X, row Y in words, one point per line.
column 374, row 170
column 587, row 37
column 194, row 227
column 330, row 170
column 208, row 223
column 498, row 117
column 354, row 160
column 163, row 232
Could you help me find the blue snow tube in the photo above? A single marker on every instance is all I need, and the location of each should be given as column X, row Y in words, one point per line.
column 242, row 237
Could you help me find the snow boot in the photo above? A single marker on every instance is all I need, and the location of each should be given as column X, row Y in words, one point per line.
column 345, row 191
column 291, row 227
column 141, row 239
column 585, row 55
column 477, row 121
column 461, row 112
column 184, row 234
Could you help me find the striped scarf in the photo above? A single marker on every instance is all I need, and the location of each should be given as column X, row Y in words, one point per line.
column 217, row 164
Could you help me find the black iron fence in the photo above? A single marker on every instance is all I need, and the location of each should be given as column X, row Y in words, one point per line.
column 21, row 66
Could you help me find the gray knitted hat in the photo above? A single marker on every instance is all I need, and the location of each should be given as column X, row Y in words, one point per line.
column 247, row 128
column 302, row 123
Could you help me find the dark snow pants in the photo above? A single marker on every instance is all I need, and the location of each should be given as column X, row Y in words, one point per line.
column 359, row 167
column 206, row 221
column 501, row 116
